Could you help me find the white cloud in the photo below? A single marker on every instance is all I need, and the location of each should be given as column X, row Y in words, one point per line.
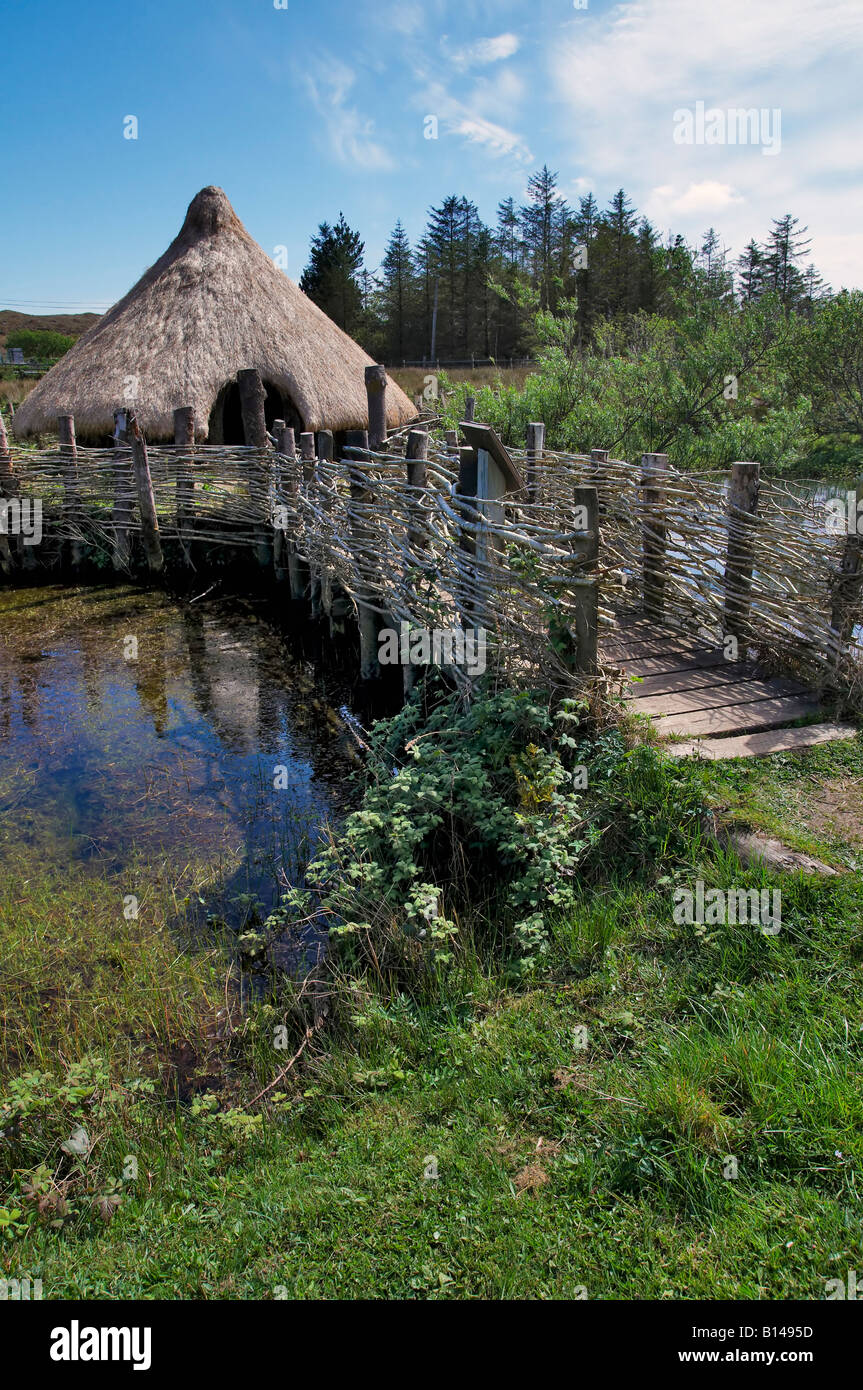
column 496, row 138
column 349, row 134
column 485, row 51
column 703, row 198
column 623, row 75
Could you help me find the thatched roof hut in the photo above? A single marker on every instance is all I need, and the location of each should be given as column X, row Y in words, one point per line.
column 214, row 304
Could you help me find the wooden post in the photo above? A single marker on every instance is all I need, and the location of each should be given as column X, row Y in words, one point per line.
column 7, row 490
column 307, row 454
column 470, row 407
column 121, row 516
column 325, row 446
column 847, row 583
column 252, row 401
column 184, row 442
column 311, row 580
column 586, row 585
column 653, row 469
column 467, row 491
column 598, row 459
column 71, row 499
column 322, row 593
column 146, row 499
column 275, row 493
column 7, row 479
column 416, row 455
column 418, row 539
column 740, row 555
column 290, row 489
column 376, row 392
column 369, row 621
column 535, row 447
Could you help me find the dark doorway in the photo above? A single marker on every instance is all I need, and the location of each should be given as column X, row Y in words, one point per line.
column 226, row 417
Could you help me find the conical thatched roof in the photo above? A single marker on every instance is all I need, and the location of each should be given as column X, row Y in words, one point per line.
column 212, row 305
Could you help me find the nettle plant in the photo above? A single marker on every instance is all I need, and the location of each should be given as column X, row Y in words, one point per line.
column 463, row 804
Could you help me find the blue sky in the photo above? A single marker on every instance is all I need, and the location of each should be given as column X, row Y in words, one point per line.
column 299, row 112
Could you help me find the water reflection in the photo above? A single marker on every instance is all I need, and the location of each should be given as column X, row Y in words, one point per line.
column 133, row 725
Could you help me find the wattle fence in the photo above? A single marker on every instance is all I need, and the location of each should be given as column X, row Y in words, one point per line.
column 410, row 534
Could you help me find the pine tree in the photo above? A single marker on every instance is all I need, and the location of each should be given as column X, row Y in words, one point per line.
column 785, row 247
column 617, row 238
column 398, row 293
column 538, row 222
column 750, row 273
column 647, row 267
column 331, row 278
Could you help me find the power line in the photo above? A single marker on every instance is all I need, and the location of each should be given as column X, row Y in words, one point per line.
column 83, row 304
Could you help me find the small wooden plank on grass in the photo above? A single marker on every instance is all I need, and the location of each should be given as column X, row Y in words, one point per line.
column 760, row 714
column 716, row 697
column 762, row 744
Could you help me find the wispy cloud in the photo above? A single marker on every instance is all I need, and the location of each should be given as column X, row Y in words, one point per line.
column 623, row 73
column 485, row 51
column 703, row 198
column 347, row 133
column 496, row 138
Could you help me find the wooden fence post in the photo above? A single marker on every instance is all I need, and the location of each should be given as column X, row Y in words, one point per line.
column 121, row 515
column 848, row 580
column 418, row 539
column 598, row 459
column 653, row 470
column 308, row 458
column 184, row 442
column 470, row 408
column 290, row 489
column 71, row 497
column 7, row 489
column 273, row 502
column 587, row 585
column 467, row 493
column 376, row 393
column 286, row 487
column 252, row 401
column 322, row 595
column 369, row 621
column 740, row 555
column 146, row 499
column 535, row 447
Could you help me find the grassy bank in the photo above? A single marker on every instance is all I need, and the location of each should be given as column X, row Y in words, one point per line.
column 444, row 1121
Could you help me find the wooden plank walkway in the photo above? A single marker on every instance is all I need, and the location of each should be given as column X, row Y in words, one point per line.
column 710, row 706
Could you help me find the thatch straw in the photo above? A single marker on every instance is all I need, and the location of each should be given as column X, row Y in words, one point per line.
column 214, row 304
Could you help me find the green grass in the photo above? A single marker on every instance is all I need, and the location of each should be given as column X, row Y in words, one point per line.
column 561, row 1166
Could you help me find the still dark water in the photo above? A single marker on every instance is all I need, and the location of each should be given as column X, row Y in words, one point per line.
column 133, row 726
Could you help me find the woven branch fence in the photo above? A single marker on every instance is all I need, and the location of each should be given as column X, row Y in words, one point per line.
column 684, row 549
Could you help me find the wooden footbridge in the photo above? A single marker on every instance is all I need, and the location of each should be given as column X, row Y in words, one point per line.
column 725, row 609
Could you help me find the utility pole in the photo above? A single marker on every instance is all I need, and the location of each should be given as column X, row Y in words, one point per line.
column 434, row 322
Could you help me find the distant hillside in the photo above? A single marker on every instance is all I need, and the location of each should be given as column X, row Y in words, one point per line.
column 11, row 319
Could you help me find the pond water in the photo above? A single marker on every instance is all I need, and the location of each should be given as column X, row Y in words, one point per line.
column 135, row 726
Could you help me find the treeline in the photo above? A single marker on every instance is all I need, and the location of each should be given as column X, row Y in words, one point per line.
column 42, row 345
column 470, row 290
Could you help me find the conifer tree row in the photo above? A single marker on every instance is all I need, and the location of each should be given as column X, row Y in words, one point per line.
column 467, row 290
